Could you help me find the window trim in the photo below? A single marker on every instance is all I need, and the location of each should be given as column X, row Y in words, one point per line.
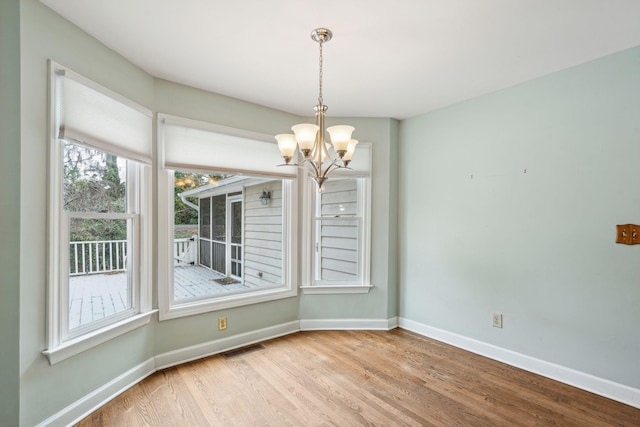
column 168, row 308
column 91, row 339
column 310, row 285
column 60, row 343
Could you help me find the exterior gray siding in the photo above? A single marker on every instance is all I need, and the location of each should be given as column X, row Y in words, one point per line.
column 338, row 231
column 263, row 233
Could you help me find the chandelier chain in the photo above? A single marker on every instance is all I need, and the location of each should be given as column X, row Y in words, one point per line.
column 320, row 99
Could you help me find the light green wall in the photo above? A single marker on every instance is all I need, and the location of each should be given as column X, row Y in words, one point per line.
column 184, row 101
column 393, row 207
column 9, row 211
column 539, row 246
column 44, row 390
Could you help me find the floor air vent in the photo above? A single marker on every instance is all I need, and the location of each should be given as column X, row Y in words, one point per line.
column 243, row 350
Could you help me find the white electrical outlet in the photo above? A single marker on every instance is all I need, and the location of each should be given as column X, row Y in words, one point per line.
column 496, row 319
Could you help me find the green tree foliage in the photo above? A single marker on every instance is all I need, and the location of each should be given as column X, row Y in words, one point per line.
column 186, row 181
column 94, row 181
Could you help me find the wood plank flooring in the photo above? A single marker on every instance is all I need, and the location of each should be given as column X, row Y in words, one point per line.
column 353, row 378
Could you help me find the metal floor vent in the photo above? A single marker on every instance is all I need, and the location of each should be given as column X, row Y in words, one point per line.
column 243, row 350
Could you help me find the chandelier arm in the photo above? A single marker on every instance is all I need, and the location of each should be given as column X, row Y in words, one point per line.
column 311, row 166
column 334, row 164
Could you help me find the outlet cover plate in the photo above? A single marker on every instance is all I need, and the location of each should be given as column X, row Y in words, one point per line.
column 222, row 323
column 496, row 319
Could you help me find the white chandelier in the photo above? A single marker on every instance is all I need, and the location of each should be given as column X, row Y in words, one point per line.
column 307, row 148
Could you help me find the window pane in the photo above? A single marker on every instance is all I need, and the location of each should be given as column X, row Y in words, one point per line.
column 338, row 249
column 337, row 232
column 94, row 181
column 219, row 267
column 340, row 197
column 98, row 270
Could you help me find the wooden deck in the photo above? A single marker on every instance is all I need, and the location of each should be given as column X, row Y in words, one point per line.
column 191, row 281
column 95, row 296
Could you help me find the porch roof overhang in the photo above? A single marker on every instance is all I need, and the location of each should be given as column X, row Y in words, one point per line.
column 227, row 185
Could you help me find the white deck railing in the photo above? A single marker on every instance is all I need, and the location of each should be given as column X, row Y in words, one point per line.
column 185, row 250
column 97, row 256
column 109, row 256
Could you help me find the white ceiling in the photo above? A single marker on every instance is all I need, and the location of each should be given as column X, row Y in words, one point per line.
column 388, row 58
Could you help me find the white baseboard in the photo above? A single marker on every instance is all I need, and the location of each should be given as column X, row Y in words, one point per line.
column 199, row 351
column 97, row 398
column 94, row 400
column 348, row 324
column 603, row 387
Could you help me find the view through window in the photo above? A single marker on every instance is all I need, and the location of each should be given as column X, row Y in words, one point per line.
column 228, row 234
column 95, row 203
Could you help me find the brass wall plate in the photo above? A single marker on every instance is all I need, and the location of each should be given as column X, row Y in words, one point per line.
column 627, row 234
column 222, row 323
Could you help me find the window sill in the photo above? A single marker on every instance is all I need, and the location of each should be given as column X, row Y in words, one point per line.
column 77, row 345
column 335, row 289
column 223, row 302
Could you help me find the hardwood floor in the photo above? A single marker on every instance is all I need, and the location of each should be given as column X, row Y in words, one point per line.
column 351, row 378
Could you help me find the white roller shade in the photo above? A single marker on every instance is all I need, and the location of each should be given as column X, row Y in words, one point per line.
column 97, row 117
column 193, row 148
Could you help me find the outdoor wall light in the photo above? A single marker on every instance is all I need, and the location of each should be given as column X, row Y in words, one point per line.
column 265, row 197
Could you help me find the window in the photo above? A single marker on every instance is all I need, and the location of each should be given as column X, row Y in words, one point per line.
column 225, row 243
column 338, row 227
column 100, row 224
column 98, row 215
column 337, row 259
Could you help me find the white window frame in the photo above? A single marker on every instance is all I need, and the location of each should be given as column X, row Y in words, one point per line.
column 62, row 343
column 169, row 308
column 311, row 219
